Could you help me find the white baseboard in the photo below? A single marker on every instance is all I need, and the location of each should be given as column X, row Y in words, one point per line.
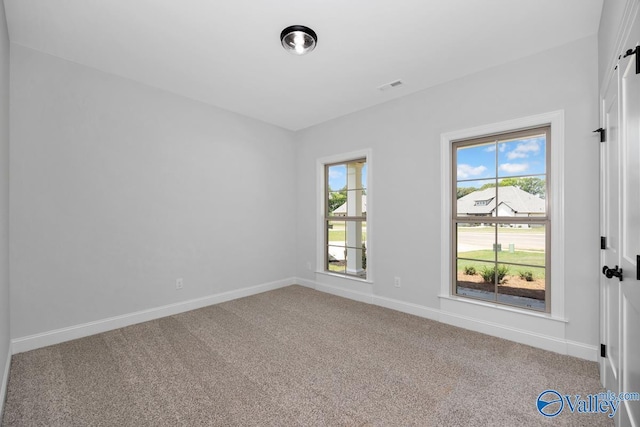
column 546, row 342
column 521, row 336
column 5, row 381
column 57, row 336
column 583, row 351
column 407, row 307
column 542, row 341
column 335, row 290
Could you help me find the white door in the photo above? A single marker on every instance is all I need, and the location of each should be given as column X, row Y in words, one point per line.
column 610, row 229
column 620, row 181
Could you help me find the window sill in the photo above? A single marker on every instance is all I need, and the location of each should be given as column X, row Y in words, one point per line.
column 344, row 276
column 547, row 316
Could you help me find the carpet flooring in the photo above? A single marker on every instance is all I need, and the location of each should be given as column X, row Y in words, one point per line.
column 292, row 357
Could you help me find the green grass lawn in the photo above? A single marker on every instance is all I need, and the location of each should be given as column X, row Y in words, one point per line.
column 518, row 257
column 339, row 235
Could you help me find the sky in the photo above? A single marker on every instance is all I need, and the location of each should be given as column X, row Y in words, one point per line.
column 519, row 157
column 338, row 176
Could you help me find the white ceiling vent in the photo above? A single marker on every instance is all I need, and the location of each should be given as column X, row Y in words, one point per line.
column 390, row 85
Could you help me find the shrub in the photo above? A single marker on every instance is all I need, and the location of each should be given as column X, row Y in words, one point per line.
column 503, row 270
column 364, row 256
column 489, row 274
column 470, row 270
column 526, row 275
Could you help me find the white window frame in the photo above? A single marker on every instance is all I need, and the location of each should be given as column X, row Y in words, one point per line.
column 320, row 221
column 556, row 120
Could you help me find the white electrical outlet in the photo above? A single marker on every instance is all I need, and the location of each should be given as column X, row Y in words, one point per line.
column 179, row 283
column 396, row 282
column 308, row 265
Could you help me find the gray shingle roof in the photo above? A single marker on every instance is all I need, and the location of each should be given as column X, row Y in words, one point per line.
column 483, row 202
column 342, row 209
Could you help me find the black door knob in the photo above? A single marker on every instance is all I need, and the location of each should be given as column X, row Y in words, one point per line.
column 612, row 272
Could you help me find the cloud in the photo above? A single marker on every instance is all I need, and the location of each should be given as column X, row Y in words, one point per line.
column 467, row 171
column 492, row 148
column 523, row 149
column 514, row 167
column 335, row 173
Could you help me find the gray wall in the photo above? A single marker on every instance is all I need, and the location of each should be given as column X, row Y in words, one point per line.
column 117, row 189
column 4, row 197
column 404, row 136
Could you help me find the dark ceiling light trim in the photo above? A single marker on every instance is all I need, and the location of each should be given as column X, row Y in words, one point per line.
column 298, row 39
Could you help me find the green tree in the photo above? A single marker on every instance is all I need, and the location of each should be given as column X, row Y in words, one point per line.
column 463, row 191
column 535, row 186
column 489, row 185
column 337, row 199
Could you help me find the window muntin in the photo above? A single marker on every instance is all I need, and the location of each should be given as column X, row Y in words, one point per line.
column 345, row 218
column 500, row 221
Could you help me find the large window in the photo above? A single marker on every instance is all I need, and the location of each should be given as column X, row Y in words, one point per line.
column 501, row 221
column 345, row 218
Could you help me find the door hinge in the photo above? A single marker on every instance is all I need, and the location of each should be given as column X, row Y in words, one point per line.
column 603, row 134
column 634, row 51
column 603, row 350
column 603, row 242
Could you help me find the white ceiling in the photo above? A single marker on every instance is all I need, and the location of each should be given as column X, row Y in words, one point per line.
column 228, row 53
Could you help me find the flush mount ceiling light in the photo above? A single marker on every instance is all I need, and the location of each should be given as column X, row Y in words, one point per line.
column 298, row 39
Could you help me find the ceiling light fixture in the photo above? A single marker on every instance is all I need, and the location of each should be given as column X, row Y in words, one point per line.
column 298, row 39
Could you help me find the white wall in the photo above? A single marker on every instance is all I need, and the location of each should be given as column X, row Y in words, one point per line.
column 117, row 189
column 4, row 202
column 613, row 14
column 404, row 136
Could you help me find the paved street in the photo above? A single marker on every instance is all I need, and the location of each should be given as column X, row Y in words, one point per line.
column 475, row 241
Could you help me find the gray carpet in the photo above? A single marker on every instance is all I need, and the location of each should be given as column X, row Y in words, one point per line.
column 292, row 356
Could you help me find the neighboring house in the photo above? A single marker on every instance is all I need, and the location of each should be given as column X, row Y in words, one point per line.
column 511, row 201
column 342, row 209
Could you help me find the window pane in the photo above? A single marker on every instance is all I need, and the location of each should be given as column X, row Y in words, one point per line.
column 523, row 287
column 337, row 203
column 356, row 238
column 363, row 224
column 355, row 204
column 336, row 258
column 476, row 162
column 522, row 156
column 476, row 242
column 356, row 262
column 476, row 198
column 522, row 244
column 356, row 175
column 336, row 233
column 364, row 176
column 337, row 177
column 475, row 279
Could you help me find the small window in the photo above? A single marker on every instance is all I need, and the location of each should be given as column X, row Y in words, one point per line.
column 345, row 218
column 501, row 223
